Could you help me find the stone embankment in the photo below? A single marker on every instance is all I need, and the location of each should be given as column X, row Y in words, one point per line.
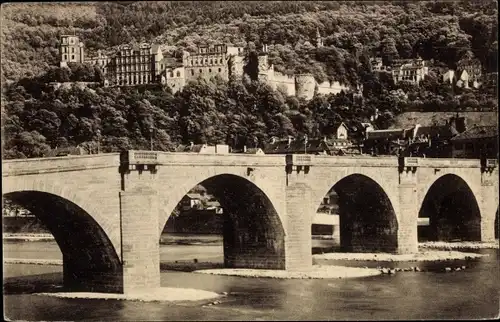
column 317, row 272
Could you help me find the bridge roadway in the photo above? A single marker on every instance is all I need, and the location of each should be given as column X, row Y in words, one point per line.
column 107, row 211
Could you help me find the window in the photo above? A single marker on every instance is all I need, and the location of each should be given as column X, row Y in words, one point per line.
column 161, row 66
column 192, row 72
column 211, row 62
column 65, row 57
column 220, row 70
column 178, row 74
column 220, row 61
column 65, row 49
column 171, row 74
column 144, row 78
column 72, row 49
column 201, row 71
column 72, row 56
column 210, row 70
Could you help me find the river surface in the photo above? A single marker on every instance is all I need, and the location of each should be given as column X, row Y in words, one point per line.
column 469, row 294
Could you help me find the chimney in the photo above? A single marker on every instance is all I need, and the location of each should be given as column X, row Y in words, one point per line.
column 244, row 149
column 290, row 139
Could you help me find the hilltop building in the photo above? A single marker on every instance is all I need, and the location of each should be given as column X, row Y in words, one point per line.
column 408, row 70
column 71, row 50
column 146, row 64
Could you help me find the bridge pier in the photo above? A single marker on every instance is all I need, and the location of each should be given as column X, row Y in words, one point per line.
column 298, row 242
column 140, row 246
column 488, row 204
column 408, row 211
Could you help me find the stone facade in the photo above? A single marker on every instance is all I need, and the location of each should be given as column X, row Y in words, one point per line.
column 112, row 208
column 146, row 64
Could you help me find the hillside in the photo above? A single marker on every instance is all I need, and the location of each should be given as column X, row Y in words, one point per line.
column 409, row 119
column 353, row 31
column 37, row 118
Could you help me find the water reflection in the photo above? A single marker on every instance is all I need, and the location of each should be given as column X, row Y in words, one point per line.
column 472, row 293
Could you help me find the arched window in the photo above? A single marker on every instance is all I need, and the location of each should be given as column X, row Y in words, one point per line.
column 220, row 70
column 211, row 62
column 171, row 74
column 178, row 74
column 220, row 61
column 210, row 70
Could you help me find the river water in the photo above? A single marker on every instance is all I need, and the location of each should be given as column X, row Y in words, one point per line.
column 469, row 294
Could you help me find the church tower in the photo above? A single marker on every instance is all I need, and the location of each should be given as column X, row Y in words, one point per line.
column 319, row 40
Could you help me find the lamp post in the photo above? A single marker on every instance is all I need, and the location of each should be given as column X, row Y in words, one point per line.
column 98, row 141
column 151, row 129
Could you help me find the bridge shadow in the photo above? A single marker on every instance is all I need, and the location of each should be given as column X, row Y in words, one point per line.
column 253, row 236
column 452, row 210
column 90, row 262
column 367, row 221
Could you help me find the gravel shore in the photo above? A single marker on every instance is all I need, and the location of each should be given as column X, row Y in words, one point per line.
column 317, row 272
column 423, row 255
column 161, row 294
column 460, row 245
column 57, row 262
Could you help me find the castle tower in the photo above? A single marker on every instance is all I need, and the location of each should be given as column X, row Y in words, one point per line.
column 71, row 50
column 319, row 40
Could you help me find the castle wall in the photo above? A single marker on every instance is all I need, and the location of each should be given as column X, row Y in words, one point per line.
column 279, row 80
column 304, row 86
column 326, row 88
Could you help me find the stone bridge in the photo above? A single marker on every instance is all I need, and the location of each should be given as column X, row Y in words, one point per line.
column 107, row 211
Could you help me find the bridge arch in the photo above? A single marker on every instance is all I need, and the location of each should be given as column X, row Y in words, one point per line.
column 90, row 261
column 452, row 209
column 253, row 231
column 367, row 219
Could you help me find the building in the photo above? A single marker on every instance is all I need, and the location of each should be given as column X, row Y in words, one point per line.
column 469, row 72
column 135, row 65
column 71, row 50
column 203, row 148
column 191, row 200
column 146, row 64
column 299, row 146
column 409, row 70
column 476, row 142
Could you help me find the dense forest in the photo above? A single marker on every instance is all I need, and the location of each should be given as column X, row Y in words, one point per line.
column 37, row 118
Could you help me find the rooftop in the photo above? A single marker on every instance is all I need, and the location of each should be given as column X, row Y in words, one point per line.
column 478, row 132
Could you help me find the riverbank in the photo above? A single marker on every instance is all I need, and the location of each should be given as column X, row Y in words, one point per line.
column 316, row 272
column 422, row 255
column 459, row 245
column 160, row 294
column 27, row 237
column 55, row 262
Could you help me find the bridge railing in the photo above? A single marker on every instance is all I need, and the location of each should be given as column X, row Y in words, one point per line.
column 54, row 164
